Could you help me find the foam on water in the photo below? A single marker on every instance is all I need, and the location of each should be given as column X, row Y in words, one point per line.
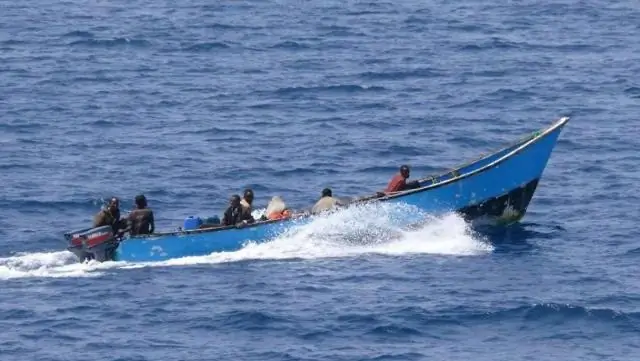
column 357, row 231
column 46, row 264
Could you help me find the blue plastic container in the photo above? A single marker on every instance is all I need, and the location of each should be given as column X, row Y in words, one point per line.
column 191, row 222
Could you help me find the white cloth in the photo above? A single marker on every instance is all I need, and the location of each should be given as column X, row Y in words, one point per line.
column 324, row 204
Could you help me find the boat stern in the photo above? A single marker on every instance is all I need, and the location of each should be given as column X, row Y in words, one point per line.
column 97, row 243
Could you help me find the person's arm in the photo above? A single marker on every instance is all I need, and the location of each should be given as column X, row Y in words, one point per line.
column 412, row 185
column 152, row 222
column 246, row 215
column 98, row 219
column 226, row 219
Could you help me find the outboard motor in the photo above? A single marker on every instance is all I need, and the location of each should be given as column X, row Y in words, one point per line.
column 93, row 243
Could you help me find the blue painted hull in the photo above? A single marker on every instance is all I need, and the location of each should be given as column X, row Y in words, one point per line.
column 497, row 187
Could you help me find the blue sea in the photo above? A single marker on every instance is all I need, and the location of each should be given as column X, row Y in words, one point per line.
column 192, row 101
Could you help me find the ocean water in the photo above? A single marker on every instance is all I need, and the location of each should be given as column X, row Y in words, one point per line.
column 189, row 102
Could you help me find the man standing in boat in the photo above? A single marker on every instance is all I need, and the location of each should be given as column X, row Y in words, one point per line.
column 399, row 182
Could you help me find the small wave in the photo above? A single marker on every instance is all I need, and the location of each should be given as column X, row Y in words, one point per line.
column 204, row 47
column 97, row 79
column 368, row 12
column 15, row 166
column 254, row 71
column 493, row 73
column 12, row 42
column 471, row 47
column 633, row 92
column 633, row 252
column 358, row 320
column 544, row 312
column 14, row 71
column 232, row 27
column 470, row 28
column 399, row 149
column 418, row 20
column 341, row 33
column 565, row 312
column 402, row 75
column 394, row 330
column 217, row 131
column 109, row 43
column 347, row 88
column 21, row 127
column 78, row 34
column 43, row 204
column 493, row 43
column 294, row 172
column 510, row 94
column 248, row 320
column 290, row 45
column 102, row 123
column 333, row 28
column 381, row 106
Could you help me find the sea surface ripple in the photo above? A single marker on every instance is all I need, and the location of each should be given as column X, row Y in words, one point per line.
column 189, row 102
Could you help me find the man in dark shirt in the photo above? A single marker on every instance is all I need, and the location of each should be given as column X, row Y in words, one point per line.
column 141, row 219
column 235, row 214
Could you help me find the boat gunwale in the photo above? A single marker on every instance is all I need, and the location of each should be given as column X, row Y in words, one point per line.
column 524, row 143
column 561, row 122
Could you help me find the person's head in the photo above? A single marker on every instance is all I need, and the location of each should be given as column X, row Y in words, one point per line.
column 141, row 201
column 327, row 192
column 248, row 195
column 234, row 201
column 404, row 171
column 114, row 204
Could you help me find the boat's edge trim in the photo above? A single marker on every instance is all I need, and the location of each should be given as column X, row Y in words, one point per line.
column 559, row 123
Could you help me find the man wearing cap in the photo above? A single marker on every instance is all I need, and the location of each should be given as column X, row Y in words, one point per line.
column 326, row 202
column 399, row 181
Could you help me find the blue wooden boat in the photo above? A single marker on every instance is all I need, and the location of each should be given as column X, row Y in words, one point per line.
column 496, row 188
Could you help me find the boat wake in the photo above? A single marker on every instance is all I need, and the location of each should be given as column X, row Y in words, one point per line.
column 354, row 232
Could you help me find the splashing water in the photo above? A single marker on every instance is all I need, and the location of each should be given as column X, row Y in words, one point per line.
column 370, row 229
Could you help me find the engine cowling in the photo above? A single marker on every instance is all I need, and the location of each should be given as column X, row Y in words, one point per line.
column 93, row 243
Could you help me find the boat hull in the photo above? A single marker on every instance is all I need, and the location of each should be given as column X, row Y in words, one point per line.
column 497, row 188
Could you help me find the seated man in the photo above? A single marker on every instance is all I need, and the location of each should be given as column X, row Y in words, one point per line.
column 399, row 181
column 110, row 216
column 326, row 202
column 141, row 219
column 276, row 209
column 247, row 200
column 235, row 215
column 247, row 204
